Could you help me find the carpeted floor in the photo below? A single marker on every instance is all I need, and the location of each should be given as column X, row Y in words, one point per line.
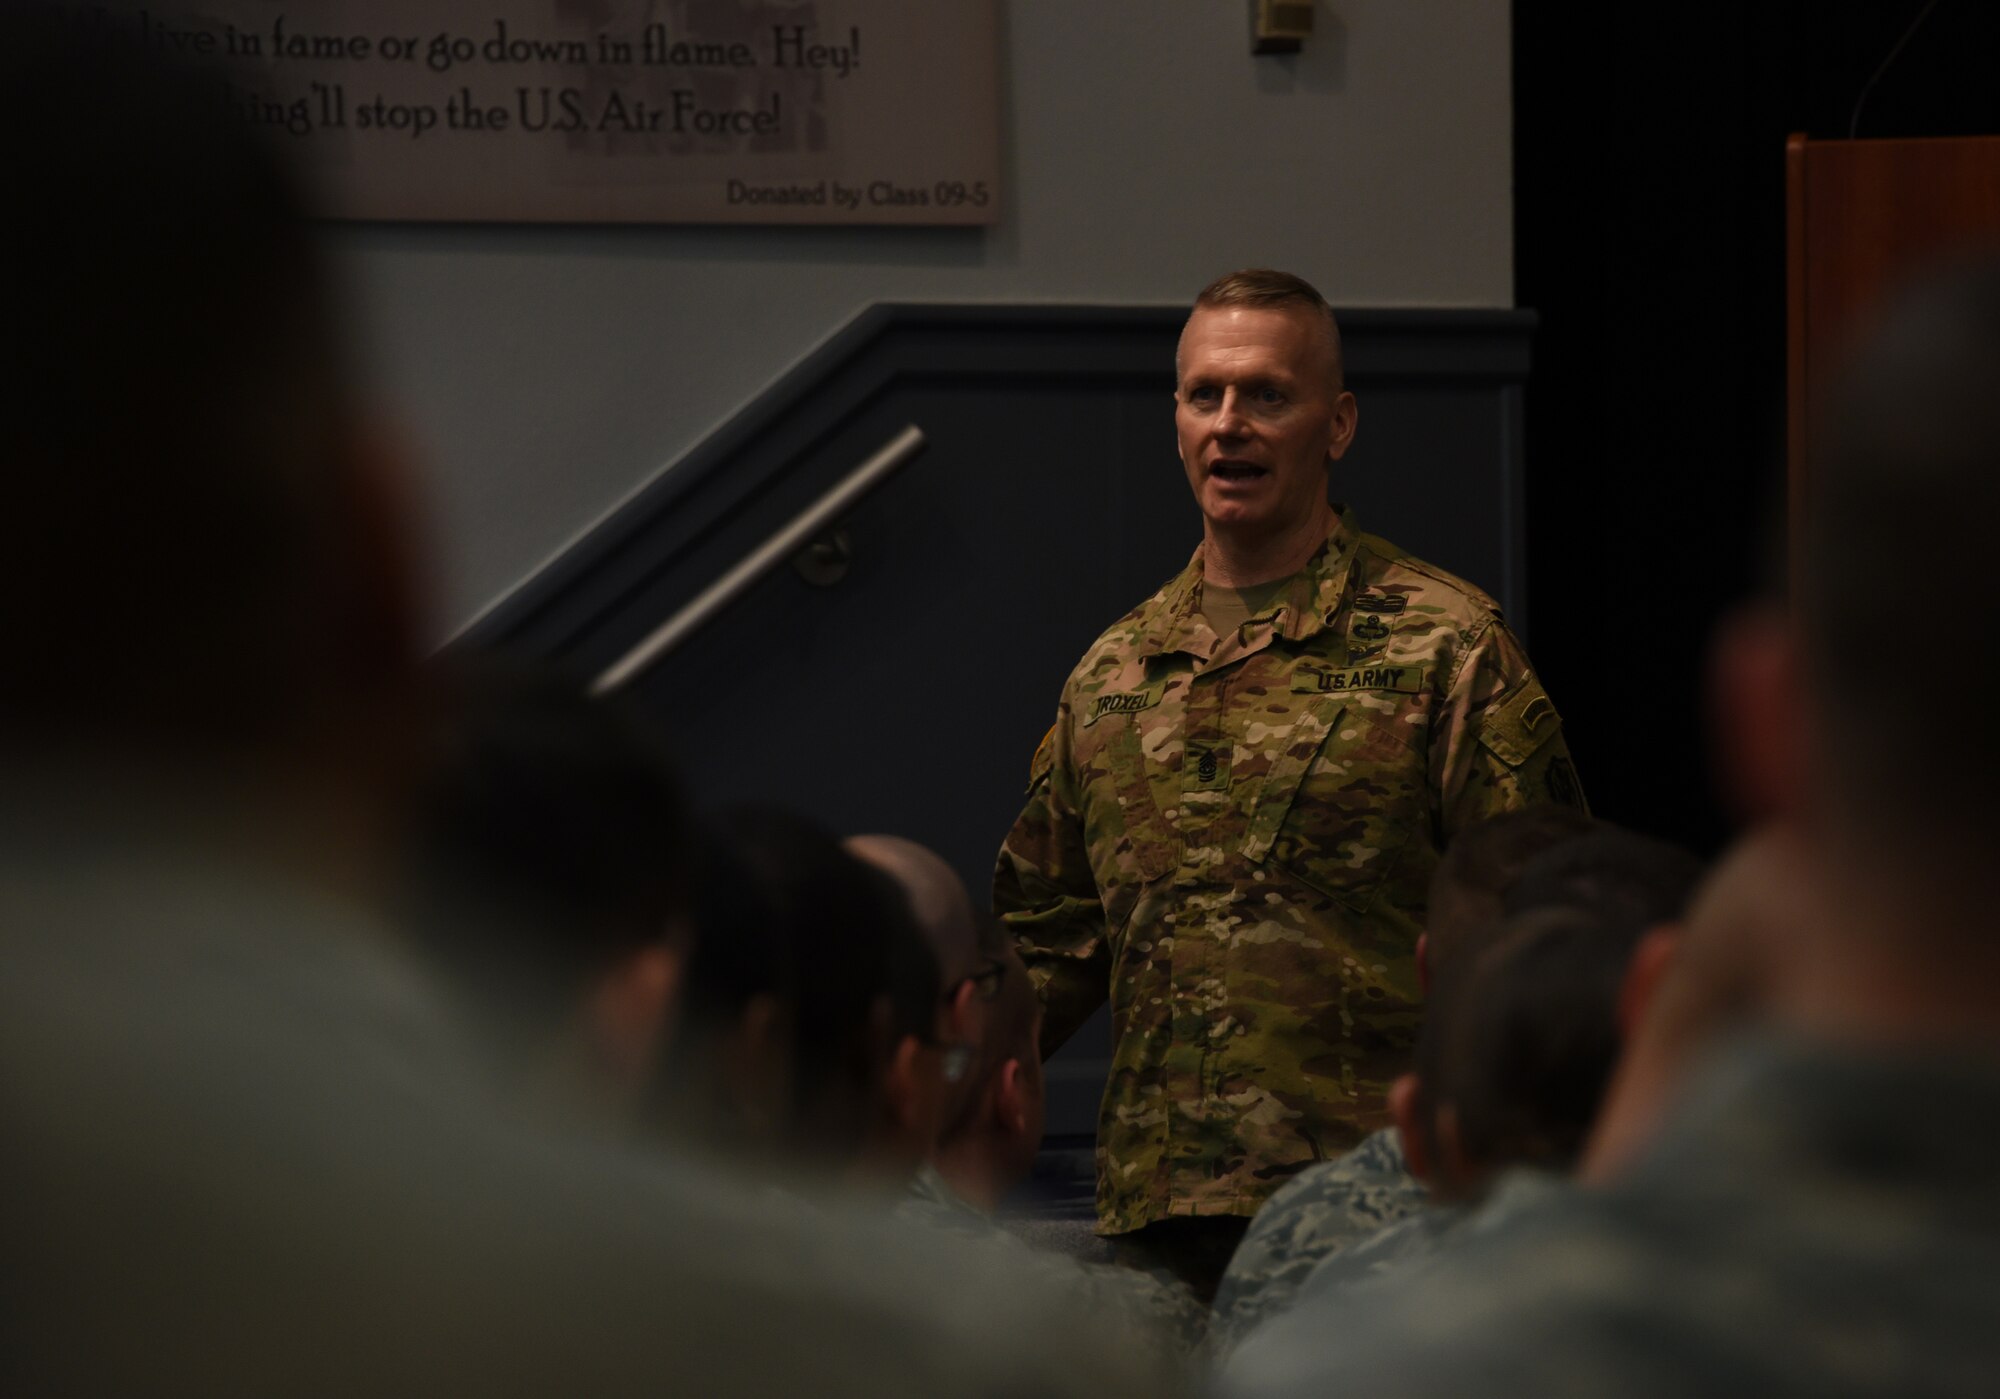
column 1056, row 1207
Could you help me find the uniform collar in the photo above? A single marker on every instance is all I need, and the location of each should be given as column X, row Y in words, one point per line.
column 1308, row 606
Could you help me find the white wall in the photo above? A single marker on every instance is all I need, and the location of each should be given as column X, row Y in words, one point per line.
column 547, row 373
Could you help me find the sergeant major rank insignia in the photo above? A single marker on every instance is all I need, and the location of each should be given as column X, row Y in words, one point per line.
column 1207, row 767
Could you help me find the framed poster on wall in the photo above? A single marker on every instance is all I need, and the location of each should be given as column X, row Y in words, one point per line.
column 628, row 111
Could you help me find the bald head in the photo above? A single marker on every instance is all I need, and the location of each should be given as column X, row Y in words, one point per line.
column 937, row 896
column 988, row 1143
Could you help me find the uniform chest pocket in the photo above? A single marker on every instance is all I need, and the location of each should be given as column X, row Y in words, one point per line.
column 1340, row 804
column 1128, row 835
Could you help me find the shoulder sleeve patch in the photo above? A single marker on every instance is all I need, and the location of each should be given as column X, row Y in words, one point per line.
column 1044, row 759
column 1517, row 727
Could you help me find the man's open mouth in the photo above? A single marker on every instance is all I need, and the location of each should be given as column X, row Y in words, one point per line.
column 1236, row 471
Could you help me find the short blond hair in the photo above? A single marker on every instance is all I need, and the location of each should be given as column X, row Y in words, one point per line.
column 1265, row 288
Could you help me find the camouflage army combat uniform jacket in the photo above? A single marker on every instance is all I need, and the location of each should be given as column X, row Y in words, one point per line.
column 1233, row 838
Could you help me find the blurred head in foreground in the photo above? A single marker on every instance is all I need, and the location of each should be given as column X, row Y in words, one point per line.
column 944, row 915
column 244, row 1154
column 1694, row 986
column 1478, row 869
column 988, row 1145
column 864, row 1081
column 726, row 1085
column 1524, row 1022
column 1844, row 714
column 547, row 867
column 1857, row 911
column 208, row 563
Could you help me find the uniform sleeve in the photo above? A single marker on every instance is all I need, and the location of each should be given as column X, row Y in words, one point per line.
column 1046, row 893
column 1263, row 1271
column 1323, row 1211
column 1499, row 745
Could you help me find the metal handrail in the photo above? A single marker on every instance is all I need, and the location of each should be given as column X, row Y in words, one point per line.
column 811, row 521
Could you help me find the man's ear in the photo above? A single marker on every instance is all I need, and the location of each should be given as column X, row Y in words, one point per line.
column 1346, row 417
column 1406, row 1107
column 1759, row 713
column 1452, row 1174
column 1424, row 964
column 758, row 1070
column 632, row 1010
column 1010, row 1100
column 902, row 1093
column 1643, row 976
column 962, row 1014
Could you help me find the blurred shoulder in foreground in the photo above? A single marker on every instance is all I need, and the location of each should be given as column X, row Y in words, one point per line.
column 1790, row 1190
column 245, row 1150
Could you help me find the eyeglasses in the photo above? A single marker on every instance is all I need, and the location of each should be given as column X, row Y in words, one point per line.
column 958, row 1056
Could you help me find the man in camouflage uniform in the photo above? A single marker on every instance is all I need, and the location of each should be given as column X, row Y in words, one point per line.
column 1231, row 826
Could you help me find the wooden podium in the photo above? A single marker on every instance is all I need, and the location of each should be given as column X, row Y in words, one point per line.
column 1860, row 218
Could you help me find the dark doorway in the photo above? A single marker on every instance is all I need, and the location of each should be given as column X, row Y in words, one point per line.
column 1649, row 236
